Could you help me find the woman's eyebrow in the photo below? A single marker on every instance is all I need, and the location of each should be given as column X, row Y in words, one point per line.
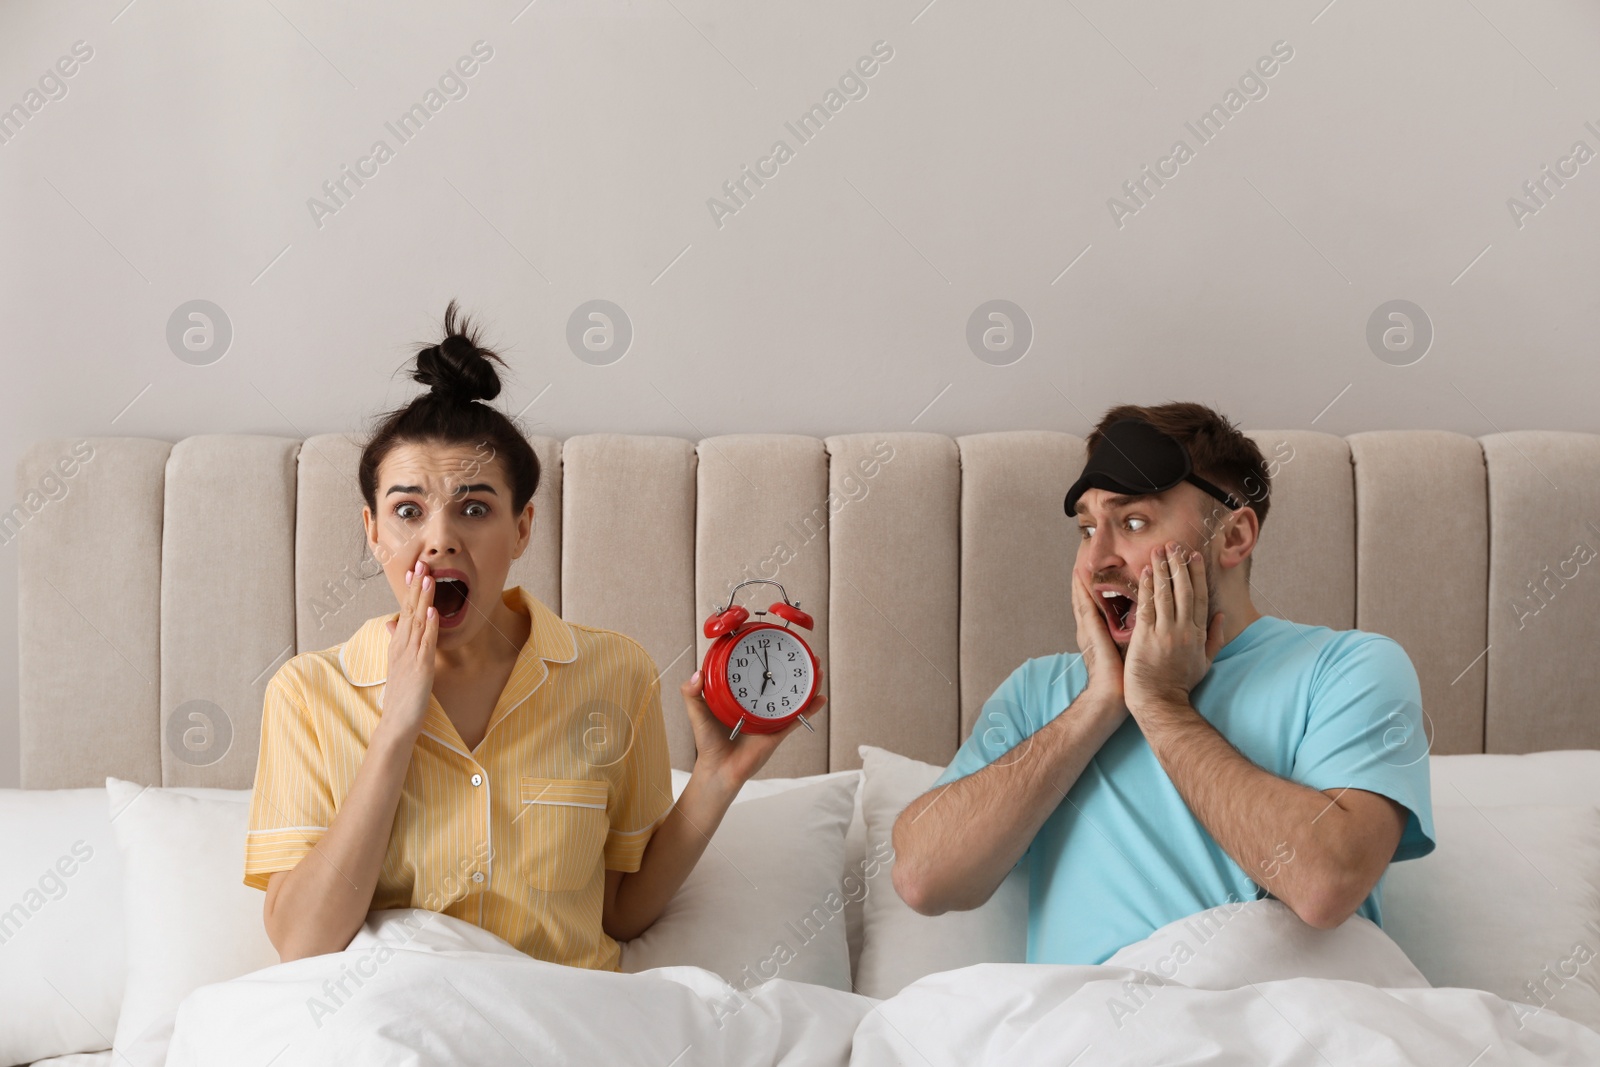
column 476, row 487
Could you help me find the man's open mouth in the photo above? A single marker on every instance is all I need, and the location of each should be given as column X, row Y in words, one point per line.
column 1121, row 612
column 450, row 597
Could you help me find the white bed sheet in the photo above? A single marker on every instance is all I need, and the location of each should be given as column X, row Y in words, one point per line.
column 446, row 992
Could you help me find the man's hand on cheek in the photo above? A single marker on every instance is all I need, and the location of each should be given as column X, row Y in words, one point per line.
column 1172, row 646
column 1101, row 658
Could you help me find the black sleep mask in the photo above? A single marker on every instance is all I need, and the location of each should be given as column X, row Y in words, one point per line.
column 1135, row 459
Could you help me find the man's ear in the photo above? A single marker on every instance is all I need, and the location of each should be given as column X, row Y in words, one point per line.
column 1239, row 539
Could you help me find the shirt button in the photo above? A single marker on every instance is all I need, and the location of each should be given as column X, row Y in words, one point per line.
column 477, row 779
column 477, row 876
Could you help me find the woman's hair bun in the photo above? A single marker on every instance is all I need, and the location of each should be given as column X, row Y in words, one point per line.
column 457, row 368
column 457, row 371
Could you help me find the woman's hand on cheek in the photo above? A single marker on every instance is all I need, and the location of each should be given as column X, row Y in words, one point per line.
column 727, row 763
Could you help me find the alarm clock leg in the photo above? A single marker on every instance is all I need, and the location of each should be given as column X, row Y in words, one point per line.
column 736, row 728
column 806, row 724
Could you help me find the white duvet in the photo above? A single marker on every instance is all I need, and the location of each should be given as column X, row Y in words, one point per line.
column 1241, row 984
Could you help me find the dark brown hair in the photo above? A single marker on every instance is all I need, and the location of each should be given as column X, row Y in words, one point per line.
column 1220, row 452
column 459, row 373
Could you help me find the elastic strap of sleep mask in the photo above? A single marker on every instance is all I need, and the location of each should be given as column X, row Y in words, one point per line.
column 1134, row 458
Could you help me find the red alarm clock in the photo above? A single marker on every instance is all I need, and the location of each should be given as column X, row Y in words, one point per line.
column 758, row 677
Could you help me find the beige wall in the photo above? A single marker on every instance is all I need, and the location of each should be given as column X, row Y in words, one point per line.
column 977, row 162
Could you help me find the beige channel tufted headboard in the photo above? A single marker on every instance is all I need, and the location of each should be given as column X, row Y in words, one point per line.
column 157, row 578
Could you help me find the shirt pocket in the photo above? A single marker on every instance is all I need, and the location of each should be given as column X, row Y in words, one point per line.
column 562, row 833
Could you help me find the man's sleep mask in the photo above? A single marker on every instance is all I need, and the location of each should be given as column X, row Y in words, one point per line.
column 1134, row 458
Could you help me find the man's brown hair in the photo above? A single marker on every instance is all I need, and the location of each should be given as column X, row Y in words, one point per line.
column 1219, row 451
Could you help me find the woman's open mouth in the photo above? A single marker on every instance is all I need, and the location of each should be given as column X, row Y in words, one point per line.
column 450, row 596
column 1121, row 613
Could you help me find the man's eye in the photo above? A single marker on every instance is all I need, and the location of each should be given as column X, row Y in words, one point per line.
column 407, row 511
column 1087, row 532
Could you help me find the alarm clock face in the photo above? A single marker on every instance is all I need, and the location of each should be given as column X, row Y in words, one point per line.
column 769, row 673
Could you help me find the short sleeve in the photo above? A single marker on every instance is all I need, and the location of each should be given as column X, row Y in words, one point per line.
column 1366, row 730
column 643, row 796
column 291, row 805
column 1008, row 718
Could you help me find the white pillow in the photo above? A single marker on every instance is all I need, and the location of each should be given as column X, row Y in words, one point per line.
column 1250, row 941
column 1506, row 902
column 766, row 787
column 898, row 946
column 765, row 900
column 854, row 879
column 1560, row 776
column 61, row 927
column 190, row 919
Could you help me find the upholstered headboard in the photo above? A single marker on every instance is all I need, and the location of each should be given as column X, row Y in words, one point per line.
column 159, row 582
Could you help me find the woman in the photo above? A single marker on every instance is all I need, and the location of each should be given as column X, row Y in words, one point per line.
column 473, row 754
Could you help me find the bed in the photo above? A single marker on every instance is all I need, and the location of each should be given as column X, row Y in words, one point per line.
column 141, row 685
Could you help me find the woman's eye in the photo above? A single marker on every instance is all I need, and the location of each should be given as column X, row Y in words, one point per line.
column 476, row 509
column 407, row 511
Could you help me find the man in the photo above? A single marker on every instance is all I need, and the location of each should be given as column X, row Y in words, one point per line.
column 1197, row 752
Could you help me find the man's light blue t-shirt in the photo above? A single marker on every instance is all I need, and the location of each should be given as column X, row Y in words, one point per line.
column 1123, row 855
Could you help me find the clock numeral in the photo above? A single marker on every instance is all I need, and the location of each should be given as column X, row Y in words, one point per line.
column 759, row 648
